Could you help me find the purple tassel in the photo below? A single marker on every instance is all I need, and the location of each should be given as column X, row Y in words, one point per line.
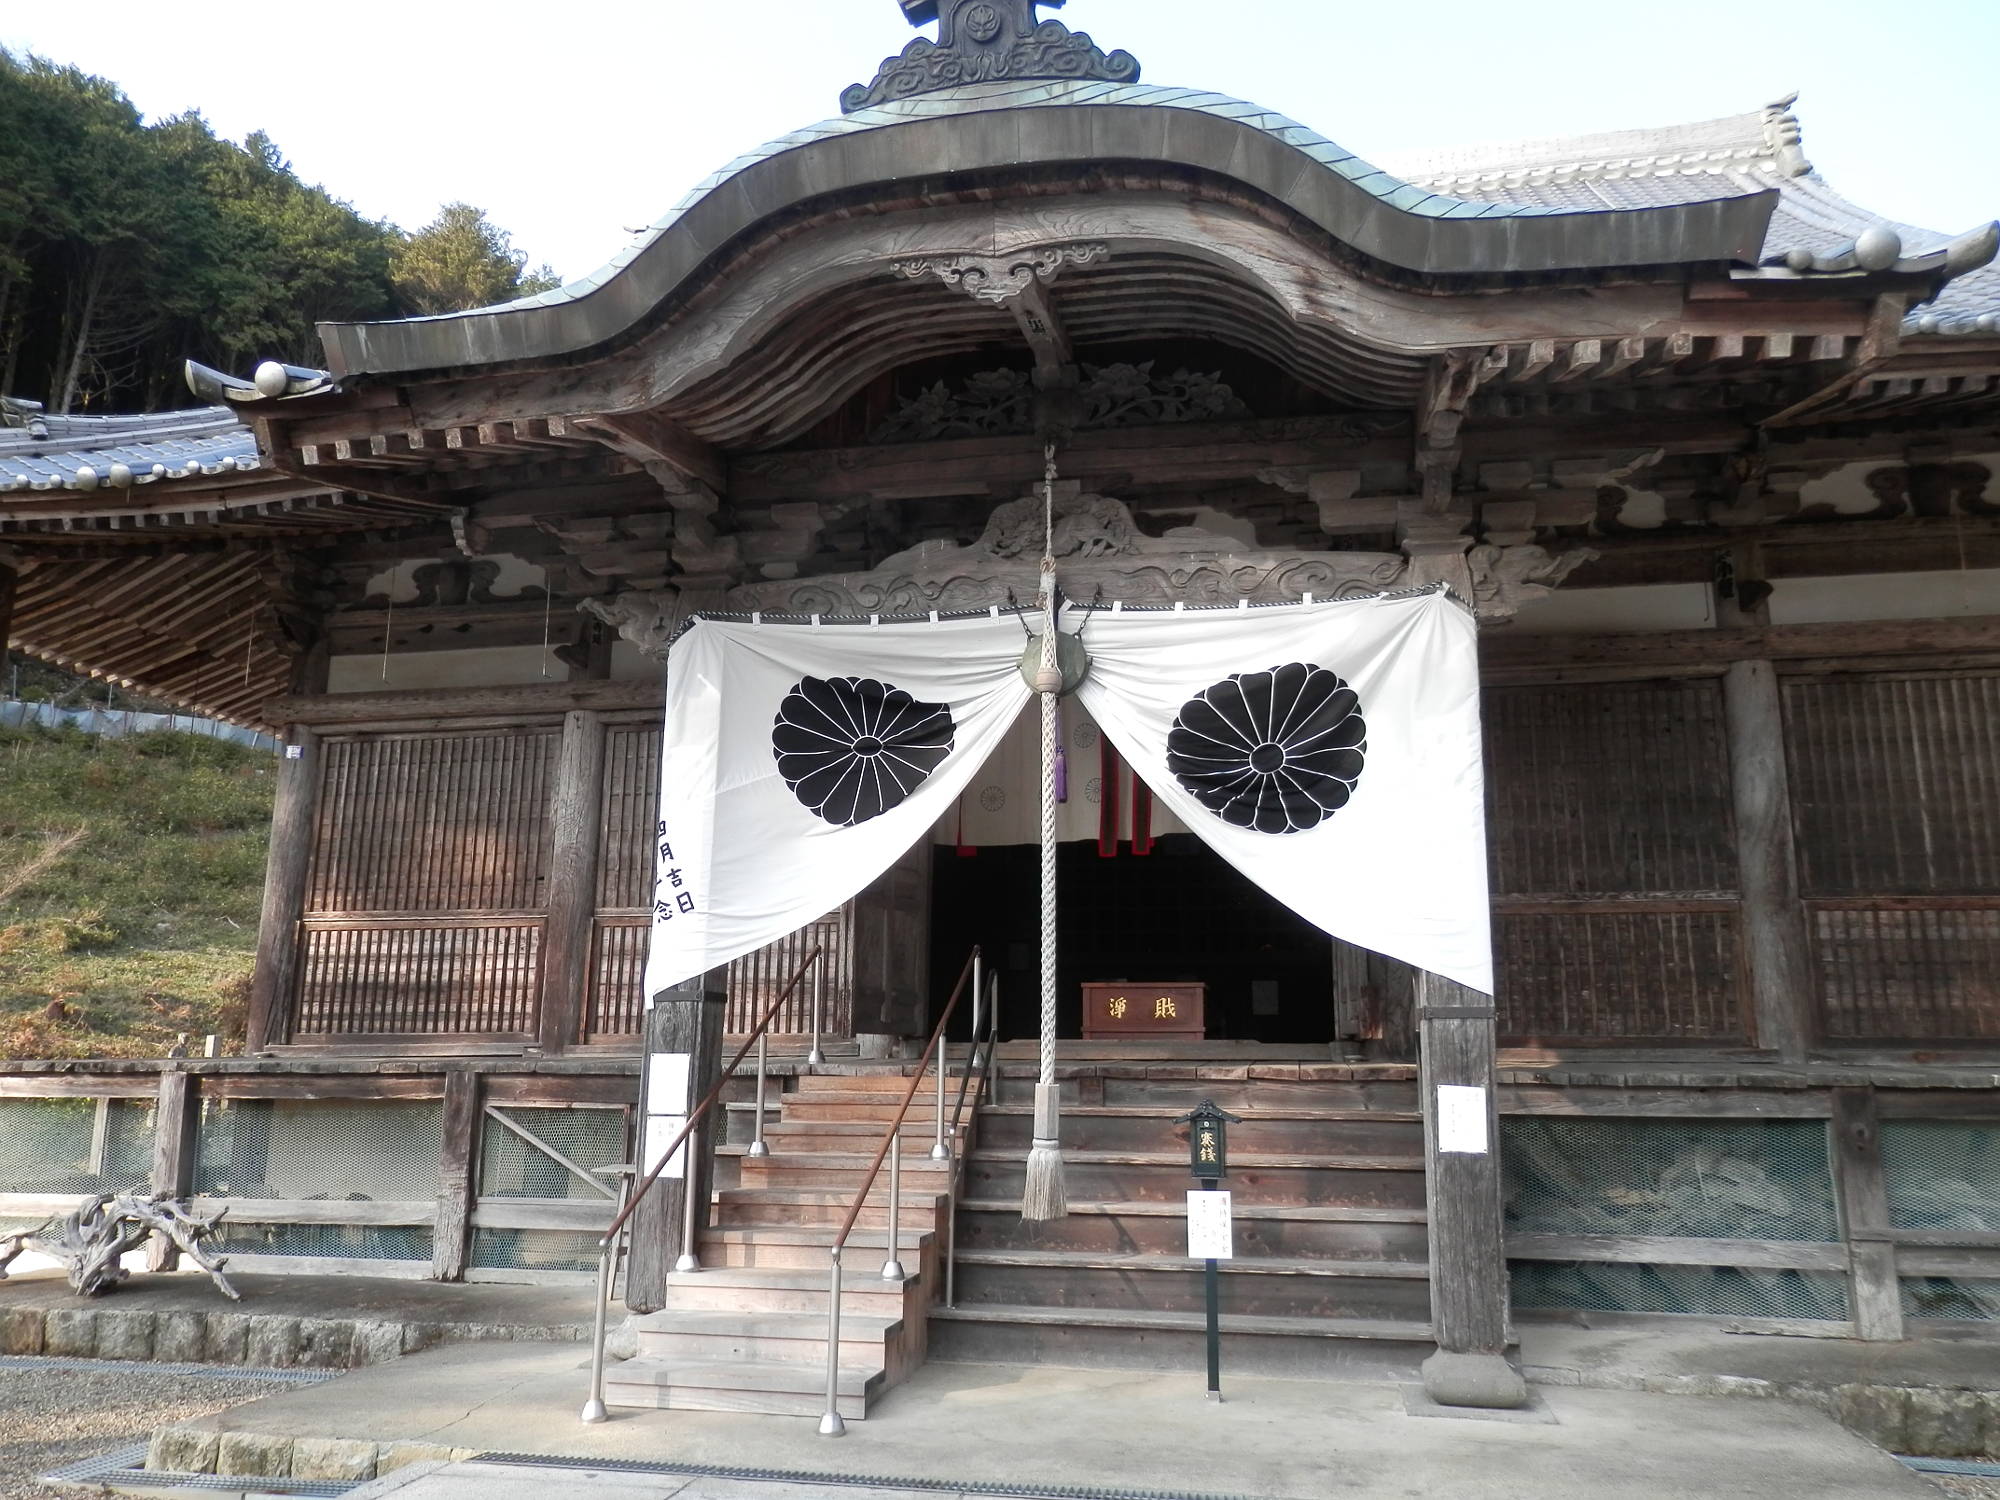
column 1062, row 760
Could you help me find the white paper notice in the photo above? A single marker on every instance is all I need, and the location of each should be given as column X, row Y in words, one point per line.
column 1210, row 1234
column 667, row 1083
column 1461, row 1119
column 660, row 1131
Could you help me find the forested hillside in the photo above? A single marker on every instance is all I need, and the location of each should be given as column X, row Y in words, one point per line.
column 131, row 871
column 127, row 247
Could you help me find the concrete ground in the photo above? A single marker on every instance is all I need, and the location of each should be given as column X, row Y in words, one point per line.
column 976, row 1425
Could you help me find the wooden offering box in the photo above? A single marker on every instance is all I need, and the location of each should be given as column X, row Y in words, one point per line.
column 1169, row 1012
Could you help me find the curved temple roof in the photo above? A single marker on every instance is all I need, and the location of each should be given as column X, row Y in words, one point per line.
column 1017, row 124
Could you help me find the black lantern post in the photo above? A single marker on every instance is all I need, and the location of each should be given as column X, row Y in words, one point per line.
column 1208, row 1162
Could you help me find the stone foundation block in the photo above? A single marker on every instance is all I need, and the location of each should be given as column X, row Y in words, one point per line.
column 377, row 1343
column 395, row 1456
column 326, row 1344
column 183, row 1450
column 178, row 1338
column 254, row 1453
column 20, row 1330
column 125, row 1335
column 224, row 1337
column 332, row 1458
column 273, row 1343
column 1880, row 1413
column 70, row 1333
column 1945, row 1424
column 418, row 1337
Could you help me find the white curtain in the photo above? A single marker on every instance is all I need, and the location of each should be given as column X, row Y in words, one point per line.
column 800, row 761
column 1330, row 751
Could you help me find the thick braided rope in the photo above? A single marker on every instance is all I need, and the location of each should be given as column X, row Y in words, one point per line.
column 1048, row 1073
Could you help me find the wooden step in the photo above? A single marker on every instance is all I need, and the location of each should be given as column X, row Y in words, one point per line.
column 742, row 1208
column 793, row 1290
column 791, row 1338
column 836, row 1169
column 1372, row 1181
column 806, row 1248
column 895, row 1083
column 777, row 1387
column 1120, row 1339
column 1382, row 1290
column 1263, row 1231
column 1271, row 1133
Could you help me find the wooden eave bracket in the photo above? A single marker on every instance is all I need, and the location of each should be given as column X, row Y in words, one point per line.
column 653, row 440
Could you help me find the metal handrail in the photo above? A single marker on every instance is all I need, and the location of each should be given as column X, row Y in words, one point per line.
column 985, row 1070
column 831, row 1423
column 594, row 1409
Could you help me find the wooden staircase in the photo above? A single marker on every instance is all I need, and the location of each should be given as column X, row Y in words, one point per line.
column 1331, row 1276
column 747, row 1332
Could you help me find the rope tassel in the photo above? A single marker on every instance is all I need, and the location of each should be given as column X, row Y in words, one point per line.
column 1043, row 1197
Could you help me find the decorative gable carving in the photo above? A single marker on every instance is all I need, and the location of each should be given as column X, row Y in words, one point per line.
column 987, row 41
column 995, row 403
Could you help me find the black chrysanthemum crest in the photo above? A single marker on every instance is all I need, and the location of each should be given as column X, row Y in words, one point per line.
column 851, row 748
column 1277, row 751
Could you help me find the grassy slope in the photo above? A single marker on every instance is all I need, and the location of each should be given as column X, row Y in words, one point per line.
column 145, row 928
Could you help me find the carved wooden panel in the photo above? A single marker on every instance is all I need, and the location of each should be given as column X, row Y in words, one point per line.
column 1924, row 974
column 631, row 812
column 615, row 1004
column 420, row 978
column 411, row 823
column 1896, row 800
column 1896, row 784
column 756, row 979
column 1613, row 859
column 1605, row 976
column 1604, row 788
column 428, row 885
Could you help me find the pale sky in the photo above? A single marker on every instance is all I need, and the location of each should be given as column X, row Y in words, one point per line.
column 570, row 123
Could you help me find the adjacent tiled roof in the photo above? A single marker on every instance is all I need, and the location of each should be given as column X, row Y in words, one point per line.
column 87, row 453
column 1692, row 163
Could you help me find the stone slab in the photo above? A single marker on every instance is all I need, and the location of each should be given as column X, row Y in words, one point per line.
column 1285, row 1440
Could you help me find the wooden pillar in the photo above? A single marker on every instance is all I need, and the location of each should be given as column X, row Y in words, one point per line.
column 1468, row 1259
column 275, row 983
column 458, row 1179
column 1872, row 1290
column 683, row 1034
column 9, row 584
column 572, row 907
column 1774, row 923
column 174, row 1143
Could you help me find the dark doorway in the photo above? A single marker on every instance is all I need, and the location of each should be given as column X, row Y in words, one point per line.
column 1179, row 913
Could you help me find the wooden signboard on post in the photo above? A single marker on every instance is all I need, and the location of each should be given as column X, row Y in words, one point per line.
column 1123, row 1012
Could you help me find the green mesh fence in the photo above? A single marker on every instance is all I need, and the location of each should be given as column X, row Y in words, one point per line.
column 1703, row 1179
column 1942, row 1174
column 1686, row 1179
column 79, row 1146
column 510, row 1167
column 533, row 1250
column 341, row 1150
column 1965, row 1298
column 1945, row 1174
column 1708, row 1291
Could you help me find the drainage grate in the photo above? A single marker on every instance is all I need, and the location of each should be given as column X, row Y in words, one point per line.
column 965, row 1487
column 64, row 1365
column 128, row 1466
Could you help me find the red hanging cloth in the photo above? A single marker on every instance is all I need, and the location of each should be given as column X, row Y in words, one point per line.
column 1107, row 798
column 1142, row 816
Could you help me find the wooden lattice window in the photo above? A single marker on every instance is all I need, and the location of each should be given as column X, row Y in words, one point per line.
column 1896, row 803
column 1616, row 909
column 428, row 889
